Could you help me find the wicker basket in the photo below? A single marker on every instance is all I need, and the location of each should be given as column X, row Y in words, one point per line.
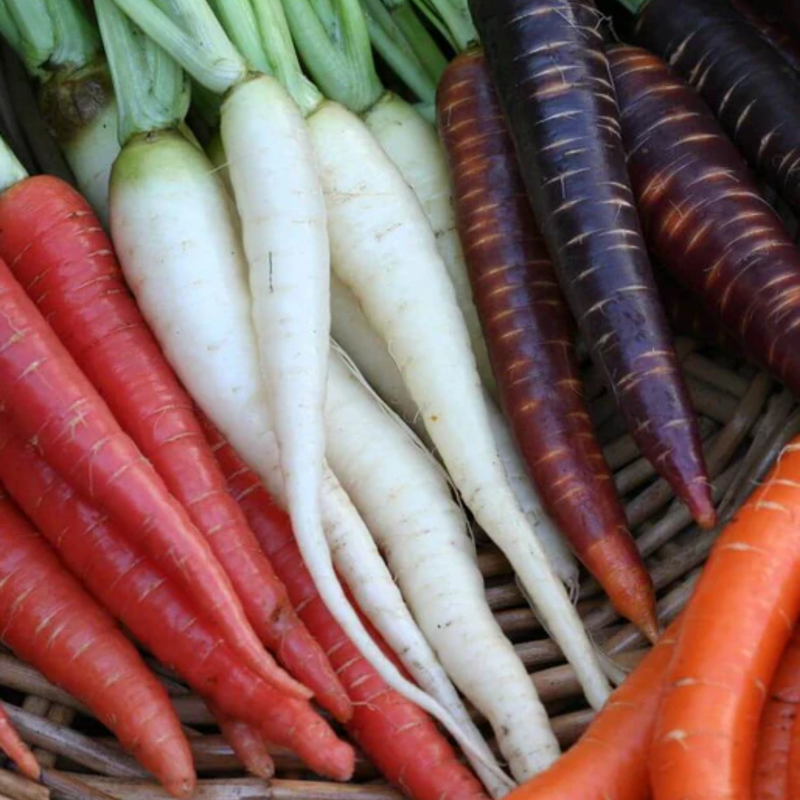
column 745, row 418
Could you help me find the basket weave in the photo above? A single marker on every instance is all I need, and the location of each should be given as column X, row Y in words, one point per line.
column 745, row 418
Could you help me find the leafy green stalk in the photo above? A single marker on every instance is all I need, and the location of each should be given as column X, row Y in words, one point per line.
column 452, row 19
column 152, row 90
column 32, row 33
column 77, row 43
column 11, row 171
column 399, row 51
column 192, row 35
column 239, row 21
column 339, row 56
column 49, row 35
column 634, row 6
column 417, row 35
column 278, row 47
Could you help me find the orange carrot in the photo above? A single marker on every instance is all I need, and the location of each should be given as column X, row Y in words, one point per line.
column 609, row 762
column 771, row 776
column 733, row 633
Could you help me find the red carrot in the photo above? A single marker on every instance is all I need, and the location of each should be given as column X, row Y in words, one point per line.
column 52, row 403
column 548, row 62
column 64, row 260
column 529, row 335
column 16, row 749
column 610, row 759
column 771, row 776
column 157, row 612
column 751, row 89
column 400, row 739
column 48, row 620
column 247, row 743
column 732, row 636
column 703, row 215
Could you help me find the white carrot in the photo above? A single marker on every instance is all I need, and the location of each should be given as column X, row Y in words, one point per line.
column 353, row 331
column 423, row 534
column 345, row 71
column 179, row 244
column 282, row 213
column 383, row 248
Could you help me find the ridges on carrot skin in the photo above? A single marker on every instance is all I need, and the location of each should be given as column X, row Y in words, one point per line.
column 772, row 759
column 156, row 612
column 400, row 739
column 729, row 646
column 248, row 745
column 780, row 40
column 529, row 333
column 79, row 287
column 703, row 215
column 610, row 760
column 84, row 442
column 79, row 648
column 547, row 59
column 748, row 85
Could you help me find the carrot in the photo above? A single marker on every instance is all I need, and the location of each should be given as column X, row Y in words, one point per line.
column 771, row 776
column 400, row 739
column 528, row 331
column 247, row 744
column 64, row 260
column 732, row 635
column 78, row 435
column 610, row 759
column 547, row 60
column 689, row 316
column 48, row 621
column 157, row 612
column 16, row 749
column 748, row 85
column 703, row 215
column 781, row 41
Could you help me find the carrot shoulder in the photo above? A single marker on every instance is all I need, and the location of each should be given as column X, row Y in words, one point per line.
column 703, row 215
column 548, row 62
column 771, row 775
column 64, row 260
column 610, row 759
column 732, row 635
column 50, row 622
column 400, row 739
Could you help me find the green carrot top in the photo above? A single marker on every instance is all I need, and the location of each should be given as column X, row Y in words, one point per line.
column 49, row 35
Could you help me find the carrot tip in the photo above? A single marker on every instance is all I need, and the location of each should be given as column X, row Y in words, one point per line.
column 698, row 500
column 181, row 787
